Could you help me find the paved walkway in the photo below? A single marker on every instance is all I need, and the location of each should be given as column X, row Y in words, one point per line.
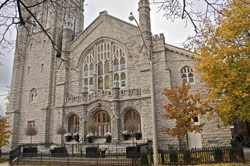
column 247, row 156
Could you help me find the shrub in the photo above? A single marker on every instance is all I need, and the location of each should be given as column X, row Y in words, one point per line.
column 173, row 156
column 91, row 127
column 187, row 156
column 144, row 159
column 218, row 155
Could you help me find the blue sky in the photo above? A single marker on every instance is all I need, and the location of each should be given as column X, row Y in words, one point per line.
column 175, row 32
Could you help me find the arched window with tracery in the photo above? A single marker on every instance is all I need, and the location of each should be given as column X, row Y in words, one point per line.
column 134, row 117
column 104, row 63
column 33, row 95
column 73, row 124
column 187, row 74
column 103, row 122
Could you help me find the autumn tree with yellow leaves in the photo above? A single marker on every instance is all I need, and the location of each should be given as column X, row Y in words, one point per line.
column 5, row 133
column 184, row 108
column 224, row 59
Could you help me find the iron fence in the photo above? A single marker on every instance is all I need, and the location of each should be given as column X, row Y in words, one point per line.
column 202, row 156
column 74, row 155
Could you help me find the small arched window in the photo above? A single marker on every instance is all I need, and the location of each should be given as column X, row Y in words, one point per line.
column 133, row 117
column 116, row 77
column 85, row 85
column 187, row 74
column 123, row 80
column 107, row 82
column 103, row 123
column 33, row 95
column 122, row 61
column 73, row 124
column 91, row 69
column 106, row 67
column 86, row 70
column 100, row 68
column 91, row 84
column 116, row 65
column 100, row 82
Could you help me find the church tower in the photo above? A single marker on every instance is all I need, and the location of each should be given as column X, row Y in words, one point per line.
column 38, row 51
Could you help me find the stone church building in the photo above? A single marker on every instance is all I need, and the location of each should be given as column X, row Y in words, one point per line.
column 107, row 74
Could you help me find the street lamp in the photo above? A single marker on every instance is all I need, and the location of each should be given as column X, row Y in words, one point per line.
column 149, row 50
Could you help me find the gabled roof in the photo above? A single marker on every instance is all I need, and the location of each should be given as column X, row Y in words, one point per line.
column 102, row 14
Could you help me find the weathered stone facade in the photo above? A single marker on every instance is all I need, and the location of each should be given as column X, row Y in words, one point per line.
column 61, row 90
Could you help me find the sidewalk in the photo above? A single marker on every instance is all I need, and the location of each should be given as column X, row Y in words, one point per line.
column 247, row 156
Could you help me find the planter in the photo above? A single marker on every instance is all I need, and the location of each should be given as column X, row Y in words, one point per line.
column 125, row 136
column 108, row 139
column 132, row 152
column 30, row 152
column 138, row 136
column 92, row 152
column 68, row 138
column 59, row 152
column 76, row 137
column 90, row 139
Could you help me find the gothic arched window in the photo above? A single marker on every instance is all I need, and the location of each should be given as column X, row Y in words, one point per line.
column 100, row 82
column 91, row 84
column 122, row 62
column 73, row 124
column 86, row 70
column 116, row 77
column 91, row 69
column 103, row 62
column 100, row 68
column 116, row 65
column 187, row 74
column 134, row 117
column 123, row 79
column 106, row 67
column 33, row 95
column 103, row 122
column 107, row 82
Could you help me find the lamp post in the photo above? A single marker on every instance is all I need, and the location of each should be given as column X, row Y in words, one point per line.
column 149, row 50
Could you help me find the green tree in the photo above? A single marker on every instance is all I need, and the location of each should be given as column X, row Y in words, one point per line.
column 224, row 59
column 184, row 108
column 5, row 133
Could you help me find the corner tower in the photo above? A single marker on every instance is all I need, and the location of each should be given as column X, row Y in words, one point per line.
column 145, row 22
column 32, row 94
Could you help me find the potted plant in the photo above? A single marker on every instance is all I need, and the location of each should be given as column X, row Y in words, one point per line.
column 125, row 135
column 31, row 131
column 61, row 131
column 30, row 151
column 90, row 137
column 91, row 128
column 68, row 137
column 76, row 136
column 130, row 127
column 108, row 137
column 102, row 149
column 138, row 135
